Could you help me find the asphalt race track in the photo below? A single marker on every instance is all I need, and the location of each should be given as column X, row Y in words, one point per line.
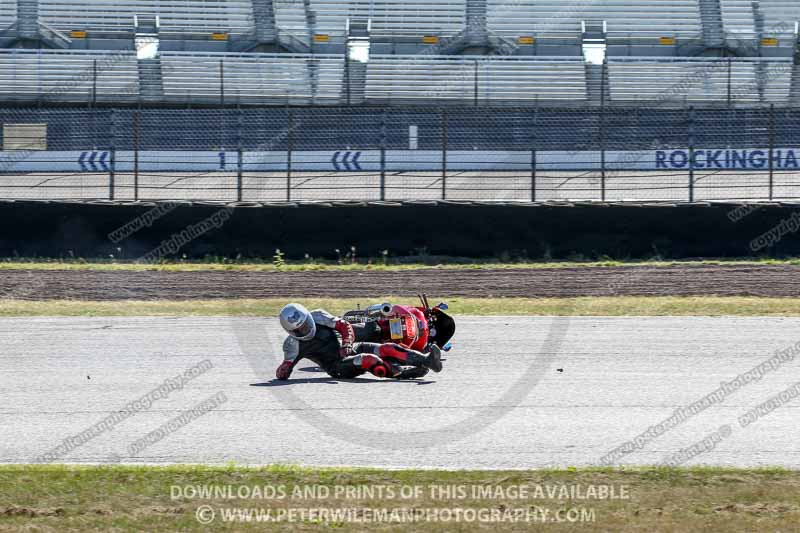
column 516, row 392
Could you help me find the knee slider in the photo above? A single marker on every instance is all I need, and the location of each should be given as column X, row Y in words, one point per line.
column 373, row 364
column 366, row 361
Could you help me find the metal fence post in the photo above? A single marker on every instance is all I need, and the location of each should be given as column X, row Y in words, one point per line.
column 347, row 77
column 239, row 164
column 730, row 72
column 94, row 82
column 221, row 83
column 444, row 152
column 476, row 84
column 136, row 154
column 383, row 154
column 289, row 148
column 533, row 154
column 603, row 136
column 690, row 134
column 113, row 154
column 771, row 149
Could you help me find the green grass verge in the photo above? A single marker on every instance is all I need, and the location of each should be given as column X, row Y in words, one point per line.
column 392, row 264
column 588, row 306
column 126, row 498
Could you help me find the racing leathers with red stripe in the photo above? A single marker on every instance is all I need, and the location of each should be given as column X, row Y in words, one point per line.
column 345, row 358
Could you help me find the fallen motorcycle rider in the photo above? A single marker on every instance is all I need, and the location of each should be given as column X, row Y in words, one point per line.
column 313, row 336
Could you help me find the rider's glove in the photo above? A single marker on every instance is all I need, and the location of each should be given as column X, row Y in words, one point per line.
column 285, row 370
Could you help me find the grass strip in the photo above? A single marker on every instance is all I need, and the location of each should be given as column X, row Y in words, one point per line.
column 147, row 498
column 586, row 306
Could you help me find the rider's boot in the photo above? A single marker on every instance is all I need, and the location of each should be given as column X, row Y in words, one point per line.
column 411, row 372
column 435, row 358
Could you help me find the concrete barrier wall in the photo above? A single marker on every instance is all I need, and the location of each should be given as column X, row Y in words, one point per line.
column 395, row 160
column 130, row 232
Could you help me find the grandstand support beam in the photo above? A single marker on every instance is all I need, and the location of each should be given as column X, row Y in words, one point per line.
column 794, row 90
column 239, row 152
column 28, row 19
column 136, row 155
column 711, row 23
column 796, row 55
column 113, row 153
column 94, row 83
column 690, row 143
column 475, row 37
column 596, row 81
column 30, row 32
column 476, row 33
column 312, row 66
column 533, row 153
column 383, row 143
column 221, row 82
column 311, row 23
column 476, row 86
column 771, row 149
column 730, row 80
column 602, row 127
column 265, row 33
column 355, row 86
column 602, row 153
column 264, row 21
column 151, row 78
column 289, row 148
column 760, row 67
column 346, row 78
column 444, row 152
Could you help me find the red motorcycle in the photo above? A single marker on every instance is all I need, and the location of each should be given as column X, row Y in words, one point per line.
column 416, row 328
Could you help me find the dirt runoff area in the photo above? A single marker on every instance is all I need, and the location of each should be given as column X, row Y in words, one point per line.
column 678, row 280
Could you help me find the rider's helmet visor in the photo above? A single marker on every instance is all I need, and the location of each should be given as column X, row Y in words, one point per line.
column 304, row 329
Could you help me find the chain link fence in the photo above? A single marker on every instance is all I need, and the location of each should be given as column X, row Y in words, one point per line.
column 400, row 153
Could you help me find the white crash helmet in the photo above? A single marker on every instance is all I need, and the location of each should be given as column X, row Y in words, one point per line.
column 298, row 322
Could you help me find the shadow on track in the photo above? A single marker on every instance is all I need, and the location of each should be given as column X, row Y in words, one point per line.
column 333, row 381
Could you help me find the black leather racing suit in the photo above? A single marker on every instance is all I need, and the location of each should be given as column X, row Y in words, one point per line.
column 323, row 349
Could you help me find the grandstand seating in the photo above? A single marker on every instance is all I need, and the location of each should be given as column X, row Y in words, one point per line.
column 188, row 70
column 699, row 80
column 389, row 17
column 176, row 16
column 776, row 11
column 8, row 13
column 318, row 79
column 416, row 79
column 391, row 20
column 392, row 17
column 304, row 79
column 738, row 17
column 294, row 79
column 60, row 75
column 639, row 18
column 290, row 16
column 405, row 18
column 647, row 17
